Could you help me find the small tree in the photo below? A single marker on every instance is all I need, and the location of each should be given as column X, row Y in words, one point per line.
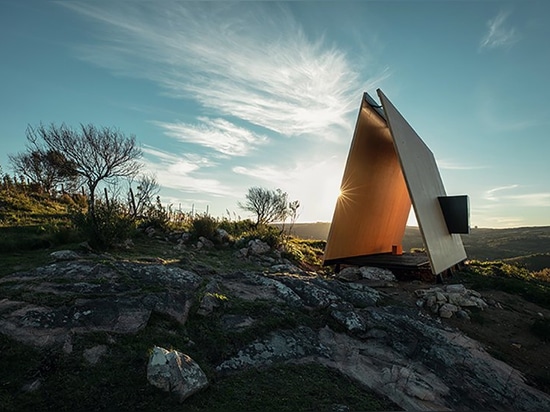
column 142, row 200
column 97, row 154
column 267, row 205
column 45, row 168
column 293, row 214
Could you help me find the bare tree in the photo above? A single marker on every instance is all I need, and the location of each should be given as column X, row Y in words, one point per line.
column 268, row 205
column 147, row 189
column 46, row 168
column 293, row 214
column 97, row 154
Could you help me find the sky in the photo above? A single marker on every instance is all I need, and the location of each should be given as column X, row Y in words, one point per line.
column 223, row 96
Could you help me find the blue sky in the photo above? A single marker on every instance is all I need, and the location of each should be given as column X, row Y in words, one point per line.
column 225, row 96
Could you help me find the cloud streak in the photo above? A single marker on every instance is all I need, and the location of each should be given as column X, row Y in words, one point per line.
column 492, row 194
column 538, row 199
column 499, row 35
column 217, row 134
column 446, row 164
column 254, row 63
column 183, row 172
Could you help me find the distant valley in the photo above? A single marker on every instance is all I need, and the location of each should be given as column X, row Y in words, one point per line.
column 526, row 246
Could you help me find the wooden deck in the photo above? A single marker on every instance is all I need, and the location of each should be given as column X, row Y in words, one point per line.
column 406, row 261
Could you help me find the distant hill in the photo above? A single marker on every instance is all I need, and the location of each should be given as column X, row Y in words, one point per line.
column 528, row 246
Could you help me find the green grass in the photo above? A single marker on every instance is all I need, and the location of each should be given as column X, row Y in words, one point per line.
column 287, row 388
column 119, row 383
column 22, row 261
column 533, row 262
column 508, row 278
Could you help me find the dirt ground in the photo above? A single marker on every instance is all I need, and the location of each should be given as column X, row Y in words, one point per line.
column 503, row 328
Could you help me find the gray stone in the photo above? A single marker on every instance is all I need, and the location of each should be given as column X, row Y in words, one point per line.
column 474, row 293
column 236, row 322
column 454, row 298
column 374, row 273
column 447, row 310
column 204, row 243
column 285, row 268
column 63, row 255
column 93, row 355
column 348, row 317
column 257, row 247
column 222, row 235
column 480, row 303
column 462, row 314
column 211, row 298
column 457, row 288
column 431, row 301
column 349, row 274
column 278, row 346
column 440, row 297
column 420, row 293
column 175, row 372
column 242, row 253
column 466, row 302
column 110, row 297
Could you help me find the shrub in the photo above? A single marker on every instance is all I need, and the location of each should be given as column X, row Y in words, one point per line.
column 304, row 250
column 543, row 274
column 111, row 225
column 268, row 234
column 236, row 228
column 157, row 216
column 508, row 278
column 204, row 225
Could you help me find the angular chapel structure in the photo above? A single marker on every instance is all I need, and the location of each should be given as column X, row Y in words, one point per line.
column 388, row 170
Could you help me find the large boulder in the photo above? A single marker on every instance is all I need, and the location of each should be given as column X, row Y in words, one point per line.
column 175, row 372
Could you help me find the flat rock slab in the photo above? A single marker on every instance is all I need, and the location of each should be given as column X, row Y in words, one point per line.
column 413, row 361
column 80, row 296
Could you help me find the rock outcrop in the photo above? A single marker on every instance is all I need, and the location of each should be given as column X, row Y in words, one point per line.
column 450, row 300
column 402, row 352
column 85, row 296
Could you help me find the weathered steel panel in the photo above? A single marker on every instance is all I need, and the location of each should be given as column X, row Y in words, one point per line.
column 372, row 209
column 425, row 186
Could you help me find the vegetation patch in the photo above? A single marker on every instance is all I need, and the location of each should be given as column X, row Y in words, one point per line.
column 509, row 278
column 288, row 388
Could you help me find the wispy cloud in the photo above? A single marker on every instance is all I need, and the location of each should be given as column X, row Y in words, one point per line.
column 448, row 164
column 251, row 61
column 493, row 194
column 183, row 172
column 502, row 195
column 216, row 134
column 499, row 33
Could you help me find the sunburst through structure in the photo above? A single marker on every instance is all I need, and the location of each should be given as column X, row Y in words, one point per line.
column 389, row 168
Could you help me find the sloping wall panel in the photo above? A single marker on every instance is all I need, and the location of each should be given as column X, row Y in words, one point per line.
column 424, row 186
column 372, row 209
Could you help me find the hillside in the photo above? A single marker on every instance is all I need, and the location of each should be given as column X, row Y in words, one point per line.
column 528, row 246
column 77, row 330
column 270, row 329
